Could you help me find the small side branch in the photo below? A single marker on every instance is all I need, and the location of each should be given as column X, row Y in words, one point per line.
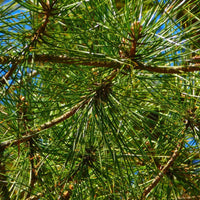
column 190, row 198
column 163, row 171
column 9, row 73
column 169, row 70
column 33, row 173
column 35, row 197
column 35, row 38
column 4, row 192
column 35, row 132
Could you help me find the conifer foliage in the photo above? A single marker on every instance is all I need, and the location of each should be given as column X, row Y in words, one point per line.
column 99, row 99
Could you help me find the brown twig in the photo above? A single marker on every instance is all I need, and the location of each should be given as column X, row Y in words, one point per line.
column 190, row 197
column 4, row 192
column 47, row 12
column 35, row 197
column 33, row 173
column 23, row 110
column 9, row 73
column 42, row 28
column 35, row 132
column 109, row 64
column 163, row 171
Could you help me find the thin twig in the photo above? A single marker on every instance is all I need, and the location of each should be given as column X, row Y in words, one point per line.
column 35, row 38
column 190, row 197
column 9, row 73
column 35, row 197
column 35, row 132
column 33, row 173
column 163, row 171
column 4, row 190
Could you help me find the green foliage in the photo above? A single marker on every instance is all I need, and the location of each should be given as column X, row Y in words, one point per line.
column 99, row 99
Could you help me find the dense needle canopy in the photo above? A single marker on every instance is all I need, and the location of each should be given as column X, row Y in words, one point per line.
column 99, row 99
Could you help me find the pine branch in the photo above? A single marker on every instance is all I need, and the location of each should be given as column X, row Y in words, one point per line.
column 47, row 125
column 36, row 36
column 109, row 64
column 163, row 171
column 47, row 13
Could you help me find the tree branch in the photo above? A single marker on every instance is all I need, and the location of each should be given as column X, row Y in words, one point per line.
column 35, row 132
column 9, row 73
column 102, row 63
column 189, row 197
column 35, row 38
column 114, row 64
column 163, row 171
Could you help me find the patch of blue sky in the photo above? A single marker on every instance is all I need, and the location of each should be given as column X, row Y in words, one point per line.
column 171, row 36
column 162, row 27
column 15, row 16
column 2, row 71
column 15, row 21
column 174, row 39
column 191, row 142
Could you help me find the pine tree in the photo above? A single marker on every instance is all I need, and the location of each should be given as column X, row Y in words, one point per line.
column 99, row 99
